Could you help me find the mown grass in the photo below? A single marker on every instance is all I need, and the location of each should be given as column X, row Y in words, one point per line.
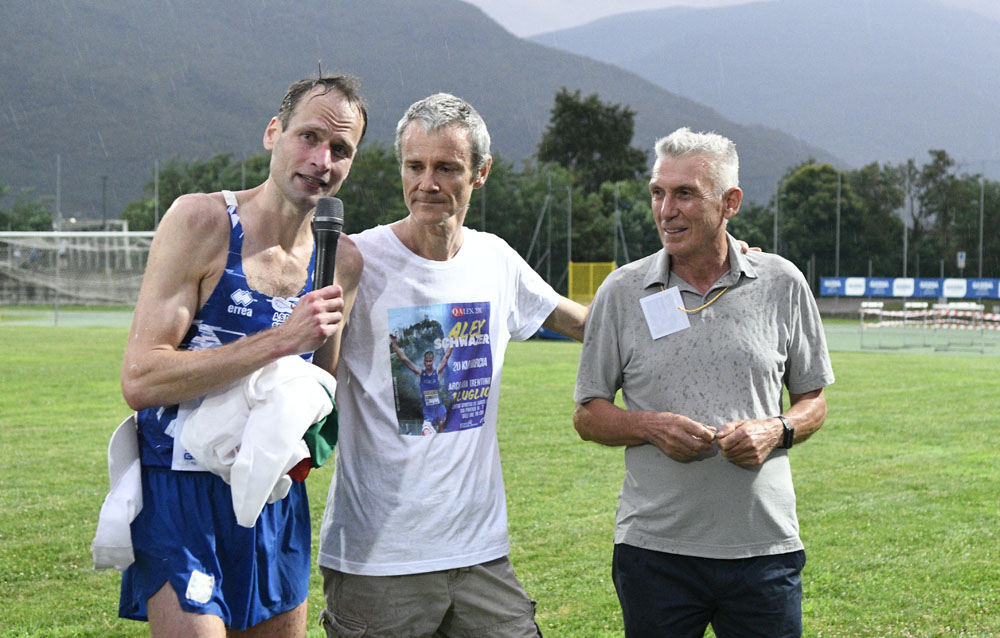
column 898, row 494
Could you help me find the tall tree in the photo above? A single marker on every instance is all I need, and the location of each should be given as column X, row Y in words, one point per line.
column 176, row 178
column 593, row 139
column 372, row 193
column 808, row 222
column 28, row 212
column 877, row 232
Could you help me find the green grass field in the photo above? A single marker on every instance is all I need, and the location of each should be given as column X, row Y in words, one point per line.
column 899, row 494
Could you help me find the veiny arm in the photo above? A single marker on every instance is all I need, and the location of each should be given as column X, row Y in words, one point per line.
column 677, row 436
column 568, row 318
column 750, row 442
column 185, row 261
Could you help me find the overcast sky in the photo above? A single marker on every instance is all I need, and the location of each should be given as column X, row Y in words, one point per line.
column 531, row 17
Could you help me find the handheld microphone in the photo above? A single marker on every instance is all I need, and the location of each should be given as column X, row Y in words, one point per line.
column 328, row 219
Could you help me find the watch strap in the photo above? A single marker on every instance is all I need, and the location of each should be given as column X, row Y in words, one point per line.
column 788, row 437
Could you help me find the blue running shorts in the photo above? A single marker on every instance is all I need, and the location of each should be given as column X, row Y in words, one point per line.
column 186, row 534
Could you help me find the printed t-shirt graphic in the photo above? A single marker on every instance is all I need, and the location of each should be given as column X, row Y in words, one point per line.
column 456, row 398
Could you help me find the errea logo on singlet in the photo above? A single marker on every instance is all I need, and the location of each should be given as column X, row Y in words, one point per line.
column 241, row 299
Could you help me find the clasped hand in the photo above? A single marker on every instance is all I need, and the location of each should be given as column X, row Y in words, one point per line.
column 747, row 442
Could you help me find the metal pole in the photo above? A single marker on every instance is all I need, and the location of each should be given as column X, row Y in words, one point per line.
column 569, row 241
column 777, row 207
column 836, row 268
column 615, row 233
column 55, row 316
column 58, row 192
column 104, row 202
column 548, row 243
column 982, row 201
column 569, row 225
column 905, row 231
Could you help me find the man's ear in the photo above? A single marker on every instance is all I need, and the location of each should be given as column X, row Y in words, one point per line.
column 732, row 200
column 482, row 173
column 272, row 133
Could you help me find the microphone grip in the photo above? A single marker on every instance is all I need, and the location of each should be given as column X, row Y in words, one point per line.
column 326, row 257
column 327, row 221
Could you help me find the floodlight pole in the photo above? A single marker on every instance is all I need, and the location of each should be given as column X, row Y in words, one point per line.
column 569, row 225
column 104, row 202
column 982, row 201
column 548, row 243
column 777, row 209
column 836, row 268
column 615, row 230
column 55, row 317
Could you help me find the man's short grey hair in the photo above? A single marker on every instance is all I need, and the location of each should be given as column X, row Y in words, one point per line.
column 443, row 109
column 723, row 162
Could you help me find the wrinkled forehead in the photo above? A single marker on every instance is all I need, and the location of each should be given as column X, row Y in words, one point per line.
column 451, row 140
column 327, row 104
column 691, row 169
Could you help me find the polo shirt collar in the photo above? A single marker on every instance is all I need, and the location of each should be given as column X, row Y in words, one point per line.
column 659, row 268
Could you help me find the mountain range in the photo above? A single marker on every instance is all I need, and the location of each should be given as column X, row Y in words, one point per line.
column 110, row 87
column 868, row 80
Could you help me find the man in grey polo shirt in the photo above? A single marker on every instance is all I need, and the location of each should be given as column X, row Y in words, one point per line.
column 700, row 339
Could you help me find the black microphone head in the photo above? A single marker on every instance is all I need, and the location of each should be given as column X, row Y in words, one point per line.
column 329, row 214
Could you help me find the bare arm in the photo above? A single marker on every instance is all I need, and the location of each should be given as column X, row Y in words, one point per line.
column 402, row 355
column 347, row 274
column 750, row 442
column 444, row 361
column 185, row 262
column 675, row 435
column 568, row 318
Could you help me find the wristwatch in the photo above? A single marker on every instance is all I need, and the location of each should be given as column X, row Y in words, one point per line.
column 789, row 434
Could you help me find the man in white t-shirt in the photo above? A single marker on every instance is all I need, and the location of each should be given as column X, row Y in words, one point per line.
column 414, row 537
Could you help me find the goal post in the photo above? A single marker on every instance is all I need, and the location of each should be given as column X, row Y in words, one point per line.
column 585, row 277
column 102, row 268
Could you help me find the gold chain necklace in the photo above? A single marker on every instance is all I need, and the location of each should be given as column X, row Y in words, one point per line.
column 703, row 306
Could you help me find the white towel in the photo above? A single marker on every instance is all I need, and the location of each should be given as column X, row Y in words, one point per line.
column 250, row 433
column 112, row 546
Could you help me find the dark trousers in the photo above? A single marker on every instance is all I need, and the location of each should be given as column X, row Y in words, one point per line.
column 671, row 596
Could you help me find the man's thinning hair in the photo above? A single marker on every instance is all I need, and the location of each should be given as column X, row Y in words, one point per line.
column 443, row 109
column 348, row 86
column 723, row 162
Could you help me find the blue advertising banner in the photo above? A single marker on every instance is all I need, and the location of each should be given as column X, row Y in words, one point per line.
column 928, row 288
column 980, row 288
column 909, row 287
column 879, row 287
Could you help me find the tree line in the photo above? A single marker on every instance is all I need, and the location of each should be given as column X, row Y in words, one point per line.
column 586, row 167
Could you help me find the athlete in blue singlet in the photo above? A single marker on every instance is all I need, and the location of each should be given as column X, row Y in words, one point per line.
column 227, row 290
column 435, row 412
column 234, row 310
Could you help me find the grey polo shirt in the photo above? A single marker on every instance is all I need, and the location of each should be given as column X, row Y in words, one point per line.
column 763, row 333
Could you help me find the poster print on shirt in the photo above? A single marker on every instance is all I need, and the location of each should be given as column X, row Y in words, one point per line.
column 442, row 366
